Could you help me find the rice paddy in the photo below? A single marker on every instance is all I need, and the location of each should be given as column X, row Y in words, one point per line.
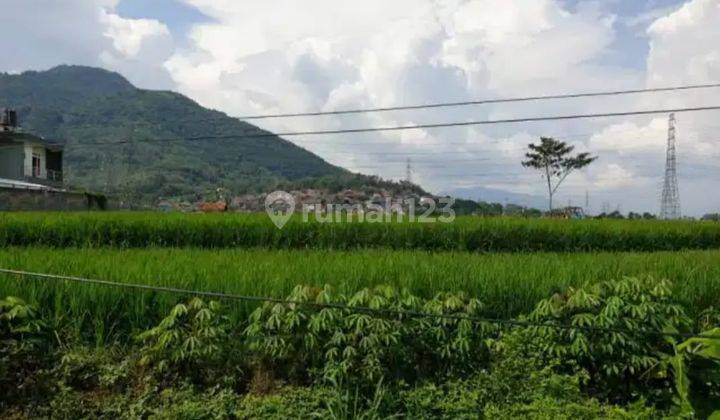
column 508, row 284
column 472, row 234
column 509, row 264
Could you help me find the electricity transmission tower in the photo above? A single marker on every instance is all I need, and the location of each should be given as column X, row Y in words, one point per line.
column 408, row 171
column 587, row 201
column 670, row 201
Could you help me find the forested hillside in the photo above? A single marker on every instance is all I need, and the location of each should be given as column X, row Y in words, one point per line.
column 79, row 106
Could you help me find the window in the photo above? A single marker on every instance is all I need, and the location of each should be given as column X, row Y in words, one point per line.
column 36, row 166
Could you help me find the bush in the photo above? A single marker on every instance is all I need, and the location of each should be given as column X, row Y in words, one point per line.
column 86, row 369
column 288, row 403
column 179, row 402
column 191, row 342
column 549, row 408
column 621, row 364
column 22, row 348
column 513, row 387
column 349, row 346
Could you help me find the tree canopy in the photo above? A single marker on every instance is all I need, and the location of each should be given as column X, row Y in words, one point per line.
column 554, row 158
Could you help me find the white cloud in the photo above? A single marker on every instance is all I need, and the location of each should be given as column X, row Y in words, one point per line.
column 629, row 137
column 139, row 49
column 521, row 43
column 86, row 32
column 129, row 35
column 614, row 176
column 683, row 44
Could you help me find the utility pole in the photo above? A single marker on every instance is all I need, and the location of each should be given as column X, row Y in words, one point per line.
column 606, row 207
column 126, row 185
column 109, row 174
column 670, row 201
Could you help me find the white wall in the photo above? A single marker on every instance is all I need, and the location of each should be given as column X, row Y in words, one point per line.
column 31, row 149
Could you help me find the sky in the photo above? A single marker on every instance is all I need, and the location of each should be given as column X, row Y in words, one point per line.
column 273, row 56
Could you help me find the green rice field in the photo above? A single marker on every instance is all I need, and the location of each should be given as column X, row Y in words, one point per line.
column 138, row 230
column 508, row 284
column 509, row 264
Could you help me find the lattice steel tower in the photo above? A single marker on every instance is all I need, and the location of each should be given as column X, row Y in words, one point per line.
column 408, row 171
column 670, row 201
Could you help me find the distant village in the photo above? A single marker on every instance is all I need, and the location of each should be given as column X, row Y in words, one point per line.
column 313, row 199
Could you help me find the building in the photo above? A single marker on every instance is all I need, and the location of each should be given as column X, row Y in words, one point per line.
column 27, row 159
column 31, row 174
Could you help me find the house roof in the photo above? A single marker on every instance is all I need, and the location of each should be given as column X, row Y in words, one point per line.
column 22, row 185
column 9, row 137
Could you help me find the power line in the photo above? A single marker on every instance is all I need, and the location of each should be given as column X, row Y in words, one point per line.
column 418, row 126
column 363, row 309
column 505, row 165
column 421, row 163
column 451, row 152
column 481, row 102
column 506, row 138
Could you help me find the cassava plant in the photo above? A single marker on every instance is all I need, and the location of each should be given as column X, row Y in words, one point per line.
column 193, row 342
column 373, row 338
column 617, row 340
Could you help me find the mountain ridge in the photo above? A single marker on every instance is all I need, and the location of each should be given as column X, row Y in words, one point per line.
column 78, row 105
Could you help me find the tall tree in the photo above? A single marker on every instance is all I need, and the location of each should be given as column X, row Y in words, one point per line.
column 554, row 159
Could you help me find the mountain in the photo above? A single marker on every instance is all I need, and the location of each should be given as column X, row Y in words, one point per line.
column 491, row 195
column 78, row 106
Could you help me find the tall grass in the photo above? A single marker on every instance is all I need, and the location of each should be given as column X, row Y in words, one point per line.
column 509, row 284
column 255, row 230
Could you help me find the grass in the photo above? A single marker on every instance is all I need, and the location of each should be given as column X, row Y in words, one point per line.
column 129, row 230
column 509, row 284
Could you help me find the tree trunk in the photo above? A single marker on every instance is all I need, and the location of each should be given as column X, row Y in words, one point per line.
column 549, row 184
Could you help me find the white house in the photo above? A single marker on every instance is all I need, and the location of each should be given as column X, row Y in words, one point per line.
column 28, row 158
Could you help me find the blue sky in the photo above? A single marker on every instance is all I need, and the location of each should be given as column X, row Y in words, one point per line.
column 178, row 16
column 631, row 46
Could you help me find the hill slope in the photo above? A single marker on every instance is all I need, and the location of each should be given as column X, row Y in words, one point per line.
column 81, row 105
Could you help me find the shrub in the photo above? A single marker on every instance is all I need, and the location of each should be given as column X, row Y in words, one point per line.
column 21, row 348
column 621, row 363
column 549, row 408
column 354, row 345
column 82, row 368
column 191, row 342
column 178, row 402
column 513, row 387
